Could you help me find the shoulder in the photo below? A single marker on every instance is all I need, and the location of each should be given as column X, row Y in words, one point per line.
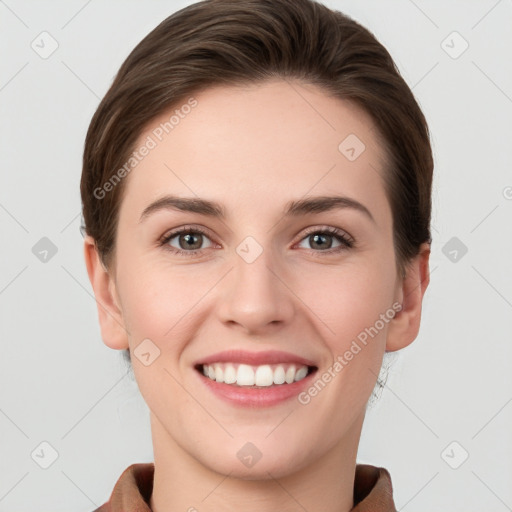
column 133, row 489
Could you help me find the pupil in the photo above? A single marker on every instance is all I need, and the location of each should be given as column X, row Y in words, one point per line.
column 317, row 236
column 189, row 238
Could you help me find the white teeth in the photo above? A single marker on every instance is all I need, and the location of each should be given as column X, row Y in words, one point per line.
column 301, row 373
column 244, row 375
column 279, row 375
column 290, row 374
column 229, row 374
column 264, row 375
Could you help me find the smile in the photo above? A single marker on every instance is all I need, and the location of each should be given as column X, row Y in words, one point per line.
column 257, row 376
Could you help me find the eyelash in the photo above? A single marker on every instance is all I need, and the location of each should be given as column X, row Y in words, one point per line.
column 345, row 241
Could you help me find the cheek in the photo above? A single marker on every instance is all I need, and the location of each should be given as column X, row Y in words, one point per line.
column 344, row 301
column 158, row 305
column 162, row 302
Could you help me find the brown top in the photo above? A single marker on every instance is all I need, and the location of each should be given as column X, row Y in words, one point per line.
column 373, row 491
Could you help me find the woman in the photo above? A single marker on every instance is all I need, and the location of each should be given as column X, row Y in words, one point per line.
column 256, row 195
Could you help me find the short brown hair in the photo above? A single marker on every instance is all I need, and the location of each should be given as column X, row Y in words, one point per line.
column 231, row 42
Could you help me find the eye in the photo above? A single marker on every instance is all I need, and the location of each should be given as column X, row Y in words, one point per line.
column 321, row 240
column 186, row 241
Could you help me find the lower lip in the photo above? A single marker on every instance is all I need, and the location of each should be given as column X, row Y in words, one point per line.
column 249, row 396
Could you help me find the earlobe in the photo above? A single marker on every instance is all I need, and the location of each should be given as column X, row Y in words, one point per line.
column 112, row 326
column 404, row 327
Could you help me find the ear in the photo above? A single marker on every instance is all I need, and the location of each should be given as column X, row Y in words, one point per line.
column 405, row 325
column 112, row 325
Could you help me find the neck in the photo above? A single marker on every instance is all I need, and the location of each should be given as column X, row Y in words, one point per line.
column 182, row 482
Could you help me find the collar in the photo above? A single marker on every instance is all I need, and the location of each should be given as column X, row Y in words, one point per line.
column 373, row 491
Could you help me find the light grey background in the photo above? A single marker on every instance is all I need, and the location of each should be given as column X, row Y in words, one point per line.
column 61, row 385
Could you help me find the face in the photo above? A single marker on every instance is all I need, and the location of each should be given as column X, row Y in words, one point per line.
column 313, row 287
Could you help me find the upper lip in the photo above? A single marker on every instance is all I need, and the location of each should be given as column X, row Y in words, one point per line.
column 254, row 358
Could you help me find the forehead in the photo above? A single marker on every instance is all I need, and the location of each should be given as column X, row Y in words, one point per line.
column 247, row 145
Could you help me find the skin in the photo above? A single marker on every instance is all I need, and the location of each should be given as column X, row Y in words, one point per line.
column 253, row 149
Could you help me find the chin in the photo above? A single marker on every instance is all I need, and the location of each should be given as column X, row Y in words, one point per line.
column 251, row 463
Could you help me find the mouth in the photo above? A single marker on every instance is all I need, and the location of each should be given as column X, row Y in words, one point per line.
column 255, row 379
column 255, row 376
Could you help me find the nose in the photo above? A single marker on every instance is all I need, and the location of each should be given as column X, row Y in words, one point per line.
column 255, row 295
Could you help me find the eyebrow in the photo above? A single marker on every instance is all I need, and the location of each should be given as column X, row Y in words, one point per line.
column 317, row 204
